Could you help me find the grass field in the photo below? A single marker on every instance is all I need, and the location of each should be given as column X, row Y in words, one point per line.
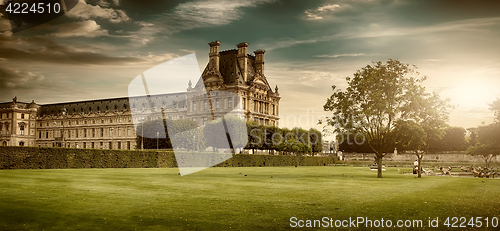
column 223, row 199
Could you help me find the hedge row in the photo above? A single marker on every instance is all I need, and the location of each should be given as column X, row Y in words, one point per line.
column 50, row 158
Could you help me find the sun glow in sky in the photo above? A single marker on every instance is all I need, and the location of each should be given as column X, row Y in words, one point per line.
column 473, row 93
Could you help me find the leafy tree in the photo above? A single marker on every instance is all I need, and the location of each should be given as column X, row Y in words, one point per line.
column 316, row 141
column 376, row 97
column 302, row 135
column 356, row 143
column 152, row 127
column 411, row 136
column 431, row 113
column 487, row 137
column 472, row 140
column 452, row 140
column 488, row 146
column 255, row 136
column 234, row 124
column 273, row 137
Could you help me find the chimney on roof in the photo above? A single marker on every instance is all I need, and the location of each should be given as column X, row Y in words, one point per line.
column 259, row 61
column 242, row 59
column 214, row 54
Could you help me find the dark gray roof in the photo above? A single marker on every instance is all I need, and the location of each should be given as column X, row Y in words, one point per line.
column 230, row 69
column 115, row 104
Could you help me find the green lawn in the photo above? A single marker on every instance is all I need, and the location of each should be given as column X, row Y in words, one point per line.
column 223, row 199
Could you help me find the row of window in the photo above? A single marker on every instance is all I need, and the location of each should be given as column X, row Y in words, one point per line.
column 93, row 121
column 9, row 115
column 217, row 104
column 263, row 107
column 99, row 145
column 90, row 132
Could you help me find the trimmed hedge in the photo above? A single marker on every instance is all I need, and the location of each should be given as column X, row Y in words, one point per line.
column 53, row 158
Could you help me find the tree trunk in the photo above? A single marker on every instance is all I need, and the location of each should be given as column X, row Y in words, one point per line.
column 419, row 165
column 379, row 166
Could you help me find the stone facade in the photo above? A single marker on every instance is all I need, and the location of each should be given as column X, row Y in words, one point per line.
column 233, row 79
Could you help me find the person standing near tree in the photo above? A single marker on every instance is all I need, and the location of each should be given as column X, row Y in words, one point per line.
column 415, row 167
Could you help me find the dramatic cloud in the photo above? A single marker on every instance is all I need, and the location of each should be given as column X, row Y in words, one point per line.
column 214, row 12
column 13, row 78
column 86, row 11
column 340, row 55
column 467, row 25
column 88, row 28
column 316, row 13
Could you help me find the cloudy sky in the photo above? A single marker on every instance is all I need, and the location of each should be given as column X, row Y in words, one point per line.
column 98, row 47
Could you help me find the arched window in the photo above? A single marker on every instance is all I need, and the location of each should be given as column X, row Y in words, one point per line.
column 4, row 143
column 21, row 143
column 21, row 128
column 22, row 116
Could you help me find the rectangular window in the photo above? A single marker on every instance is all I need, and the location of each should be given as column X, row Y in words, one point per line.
column 102, row 132
column 92, row 145
column 110, row 145
column 76, row 133
column 84, row 133
column 84, row 145
column 194, row 106
column 205, row 105
column 230, row 103
column 119, row 145
column 47, row 135
column 217, row 104
column 39, row 135
column 119, row 132
column 22, row 116
column 76, row 144
column 120, row 119
column 101, row 145
column 129, row 133
column 128, row 145
column 204, row 120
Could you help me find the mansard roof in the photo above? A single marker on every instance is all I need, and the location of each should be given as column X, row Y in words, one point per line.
column 177, row 100
column 230, row 69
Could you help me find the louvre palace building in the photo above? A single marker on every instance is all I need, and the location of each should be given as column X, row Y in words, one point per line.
column 236, row 76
